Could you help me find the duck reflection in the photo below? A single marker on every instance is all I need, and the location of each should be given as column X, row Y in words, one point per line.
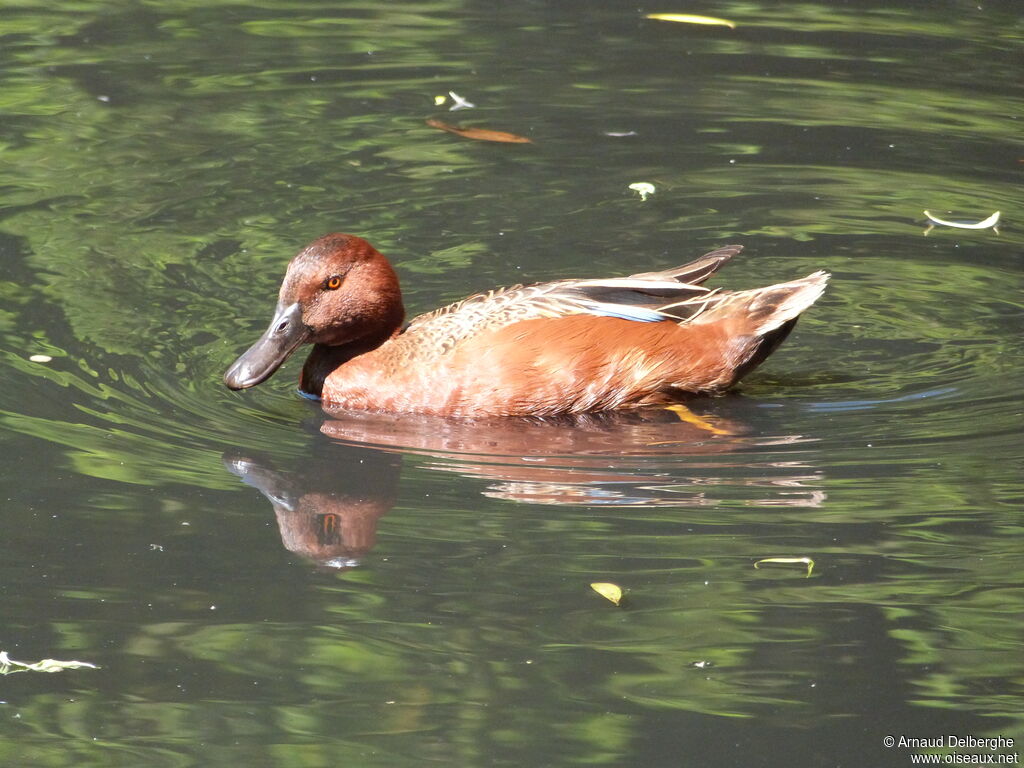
column 327, row 508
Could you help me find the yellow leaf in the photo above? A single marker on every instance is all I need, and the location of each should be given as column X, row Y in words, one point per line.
column 608, row 591
column 803, row 560
column 685, row 414
column 688, row 18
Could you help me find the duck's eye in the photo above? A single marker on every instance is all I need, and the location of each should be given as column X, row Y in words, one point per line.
column 333, row 282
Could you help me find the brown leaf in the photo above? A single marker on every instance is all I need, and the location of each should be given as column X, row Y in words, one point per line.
column 482, row 134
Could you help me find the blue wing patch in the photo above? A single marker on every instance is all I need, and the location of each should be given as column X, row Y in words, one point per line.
column 626, row 312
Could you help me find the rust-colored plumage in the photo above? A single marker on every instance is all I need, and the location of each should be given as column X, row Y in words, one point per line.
column 570, row 346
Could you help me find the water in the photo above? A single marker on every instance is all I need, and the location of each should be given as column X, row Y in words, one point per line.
column 264, row 585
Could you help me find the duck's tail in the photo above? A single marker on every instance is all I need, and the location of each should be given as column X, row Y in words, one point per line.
column 768, row 309
column 759, row 320
column 762, row 310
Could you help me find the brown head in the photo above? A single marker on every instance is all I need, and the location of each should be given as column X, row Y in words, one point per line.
column 338, row 291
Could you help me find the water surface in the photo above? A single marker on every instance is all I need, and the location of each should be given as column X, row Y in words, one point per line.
column 264, row 584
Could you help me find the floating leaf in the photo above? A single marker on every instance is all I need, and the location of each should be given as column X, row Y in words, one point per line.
column 481, row 134
column 643, row 187
column 46, row 665
column 991, row 221
column 784, row 560
column 608, row 591
column 689, row 18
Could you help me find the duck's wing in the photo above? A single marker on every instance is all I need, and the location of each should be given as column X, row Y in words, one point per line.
column 672, row 294
column 696, row 272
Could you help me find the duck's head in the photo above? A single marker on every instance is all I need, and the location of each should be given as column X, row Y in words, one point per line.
column 338, row 290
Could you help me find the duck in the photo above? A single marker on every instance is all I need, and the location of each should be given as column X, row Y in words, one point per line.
column 548, row 349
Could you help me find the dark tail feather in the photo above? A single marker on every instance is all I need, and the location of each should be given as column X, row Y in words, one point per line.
column 763, row 347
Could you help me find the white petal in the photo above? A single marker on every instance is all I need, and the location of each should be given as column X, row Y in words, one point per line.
column 991, row 221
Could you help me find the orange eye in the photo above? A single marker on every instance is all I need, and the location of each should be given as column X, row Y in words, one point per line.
column 333, row 282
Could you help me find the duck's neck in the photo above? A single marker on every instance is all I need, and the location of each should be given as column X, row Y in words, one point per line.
column 325, row 359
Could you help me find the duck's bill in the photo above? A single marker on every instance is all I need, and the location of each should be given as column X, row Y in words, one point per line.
column 286, row 333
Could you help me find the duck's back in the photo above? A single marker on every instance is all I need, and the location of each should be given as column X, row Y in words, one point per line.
column 673, row 294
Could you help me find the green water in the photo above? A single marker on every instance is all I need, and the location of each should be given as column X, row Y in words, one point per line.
column 265, row 586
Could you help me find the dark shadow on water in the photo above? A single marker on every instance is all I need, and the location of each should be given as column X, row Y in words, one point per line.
column 328, row 504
